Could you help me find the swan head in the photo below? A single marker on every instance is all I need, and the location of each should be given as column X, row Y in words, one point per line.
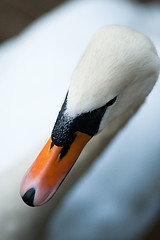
column 117, row 71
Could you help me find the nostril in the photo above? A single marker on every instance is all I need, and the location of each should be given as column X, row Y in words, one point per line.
column 28, row 197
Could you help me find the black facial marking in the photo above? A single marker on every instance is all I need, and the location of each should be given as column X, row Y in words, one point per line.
column 62, row 132
column 66, row 148
column 52, row 144
column 66, row 126
column 112, row 101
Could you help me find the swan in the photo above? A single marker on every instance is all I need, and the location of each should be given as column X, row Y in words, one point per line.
column 28, row 73
column 111, row 81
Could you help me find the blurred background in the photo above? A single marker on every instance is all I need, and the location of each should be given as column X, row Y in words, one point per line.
column 41, row 42
column 15, row 15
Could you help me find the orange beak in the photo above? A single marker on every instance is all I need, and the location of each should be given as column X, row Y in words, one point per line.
column 49, row 169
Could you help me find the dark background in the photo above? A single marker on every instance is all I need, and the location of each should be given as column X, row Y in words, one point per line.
column 15, row 15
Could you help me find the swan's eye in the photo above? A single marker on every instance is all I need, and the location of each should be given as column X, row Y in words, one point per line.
column 112, row 101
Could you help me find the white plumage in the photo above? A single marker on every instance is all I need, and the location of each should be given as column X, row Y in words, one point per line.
column 118, row 62
column 10, row 202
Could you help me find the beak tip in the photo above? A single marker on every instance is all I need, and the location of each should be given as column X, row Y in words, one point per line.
column 28, row 197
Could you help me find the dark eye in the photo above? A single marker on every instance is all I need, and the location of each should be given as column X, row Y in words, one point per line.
column 112, row 101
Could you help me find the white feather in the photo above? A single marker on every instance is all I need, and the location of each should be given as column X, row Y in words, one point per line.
column 118, row 62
